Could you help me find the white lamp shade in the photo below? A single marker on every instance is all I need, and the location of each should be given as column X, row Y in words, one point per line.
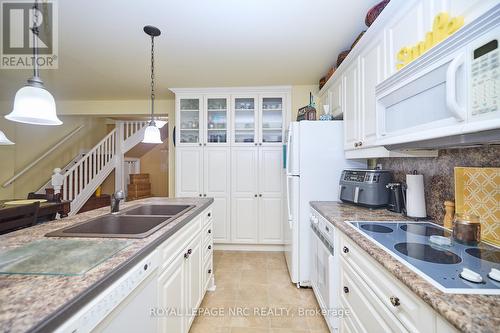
column 152, row 135
column 34, row 105
column 160, row 123
column 4, row 140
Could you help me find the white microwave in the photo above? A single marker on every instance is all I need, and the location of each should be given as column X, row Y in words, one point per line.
column 452, row 90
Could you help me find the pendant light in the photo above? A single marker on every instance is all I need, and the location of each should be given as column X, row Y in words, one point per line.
column 152, row 133
column 33, row 104
column 4, row 141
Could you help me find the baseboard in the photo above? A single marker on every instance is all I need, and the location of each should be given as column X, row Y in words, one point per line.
column 249, row 247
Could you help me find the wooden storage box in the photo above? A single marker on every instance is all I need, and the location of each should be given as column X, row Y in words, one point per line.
column 138, row 191
column 139, row 178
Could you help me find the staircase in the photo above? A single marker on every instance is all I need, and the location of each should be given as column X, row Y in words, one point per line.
column 89, row 172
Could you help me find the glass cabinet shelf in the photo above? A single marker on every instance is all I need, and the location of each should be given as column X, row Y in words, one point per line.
column 189, row 123
column 216, row 126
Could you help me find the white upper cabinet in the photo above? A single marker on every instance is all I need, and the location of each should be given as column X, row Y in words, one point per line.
column 371, row 66
column 190, row 116
column 245, row 120
column 271, row 119
column 336, row 98
column 350, row 81
column 217, row 120
column 189, row 172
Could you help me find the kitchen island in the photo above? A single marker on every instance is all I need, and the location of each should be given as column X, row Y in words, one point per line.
column 41, row 303
column 465, row 312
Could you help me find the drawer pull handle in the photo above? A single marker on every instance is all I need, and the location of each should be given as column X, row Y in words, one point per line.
column 395, row 301
column 209, row 231
column 345, row 249
column 188, row 253
column 209, row 271
column 346, row 290
column 327, row 229
column 210, row 247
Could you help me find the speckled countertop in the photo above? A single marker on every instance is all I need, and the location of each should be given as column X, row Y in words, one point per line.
column 36, row 302
column 468, row 313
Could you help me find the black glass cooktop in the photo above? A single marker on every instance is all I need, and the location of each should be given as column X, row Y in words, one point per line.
column 441, row 265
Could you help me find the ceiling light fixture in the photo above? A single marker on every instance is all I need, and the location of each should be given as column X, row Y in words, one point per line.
column 4, row 141
column 152, row 133
column 33, row 104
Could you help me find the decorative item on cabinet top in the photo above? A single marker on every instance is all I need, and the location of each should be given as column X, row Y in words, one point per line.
column 325, row 78
column 477, row 192
column 307, row 112
column 327, row 115
column 374, row 12
column 443, row 26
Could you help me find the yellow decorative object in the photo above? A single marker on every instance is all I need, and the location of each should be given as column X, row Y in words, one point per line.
column 24, row 202
column 98, row 191
column 477, row 192
column 442, row 27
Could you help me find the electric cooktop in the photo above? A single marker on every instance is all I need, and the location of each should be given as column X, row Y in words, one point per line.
column 450, row 266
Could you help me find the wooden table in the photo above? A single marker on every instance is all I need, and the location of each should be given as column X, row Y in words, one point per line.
column 47, row 209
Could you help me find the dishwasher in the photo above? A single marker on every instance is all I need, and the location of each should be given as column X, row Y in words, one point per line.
column 124, row 307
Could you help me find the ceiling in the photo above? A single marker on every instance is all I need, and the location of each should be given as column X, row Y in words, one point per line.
column 104, row 54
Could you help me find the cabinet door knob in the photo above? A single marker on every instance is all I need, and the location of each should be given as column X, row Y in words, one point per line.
column 204, row 144
column 260, row 195
column 360, row 143
column 355, row 144
column 188, row 253
column 209, row 271
column 199, row 194
column 209, row 231
column 205, row 195
column 255, row 195
column 260, row 144
column 210, row 247
column 255, row 143
column 199, row 144
column 345, row 249
column 395, row 301
column 346, row 290
column 209, row 214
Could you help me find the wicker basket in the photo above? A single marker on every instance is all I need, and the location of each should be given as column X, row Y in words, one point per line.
column 374, row 12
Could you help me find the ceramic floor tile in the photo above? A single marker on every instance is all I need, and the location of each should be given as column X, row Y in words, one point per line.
column 257, row 283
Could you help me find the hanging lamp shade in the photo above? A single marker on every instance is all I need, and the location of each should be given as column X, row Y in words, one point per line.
column 160, row 123
column 34, row 105
column 4, row 141
column 152, row 134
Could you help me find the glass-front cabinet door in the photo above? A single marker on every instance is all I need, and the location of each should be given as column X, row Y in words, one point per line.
column 271, row 120
column 189, row 121
column 216, row 125
column 245, row 120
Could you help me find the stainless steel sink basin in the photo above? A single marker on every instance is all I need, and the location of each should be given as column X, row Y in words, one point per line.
column 165, row 210
column 115, row 226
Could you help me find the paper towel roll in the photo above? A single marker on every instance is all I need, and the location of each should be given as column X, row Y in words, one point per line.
column 415, row 196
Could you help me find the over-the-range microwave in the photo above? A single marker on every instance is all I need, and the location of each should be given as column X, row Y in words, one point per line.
column 451, row 92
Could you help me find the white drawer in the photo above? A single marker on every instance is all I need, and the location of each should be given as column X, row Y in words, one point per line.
column 368, row 314
column 207, row 248
column 207, row 232
column 176, row 243
column 207, row 215
column 207, row 272
column 413, row 313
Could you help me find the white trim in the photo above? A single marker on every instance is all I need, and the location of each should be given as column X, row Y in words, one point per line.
column 231, row 90
column 249, row 247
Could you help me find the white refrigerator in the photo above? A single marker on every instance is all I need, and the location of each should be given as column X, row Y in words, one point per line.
column 314, row 162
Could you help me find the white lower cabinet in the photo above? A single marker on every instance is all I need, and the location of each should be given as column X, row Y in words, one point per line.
column 377, row 301
column 186, row 275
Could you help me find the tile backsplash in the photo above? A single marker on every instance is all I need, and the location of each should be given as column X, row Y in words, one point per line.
column 438, row 172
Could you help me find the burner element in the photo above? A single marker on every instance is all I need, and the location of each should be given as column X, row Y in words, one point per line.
column 489, row 255
column 377, row 228
column 427, row 253
column 424, row 230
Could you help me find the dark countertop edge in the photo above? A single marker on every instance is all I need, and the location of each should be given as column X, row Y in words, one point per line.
column 56, row 319
column 437, row 309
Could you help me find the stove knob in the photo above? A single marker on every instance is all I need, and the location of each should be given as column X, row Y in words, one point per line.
column 494, row 274
column 471, row 276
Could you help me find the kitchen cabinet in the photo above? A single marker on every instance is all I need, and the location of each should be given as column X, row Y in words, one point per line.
column 187, row 274
column 350, row 82
column 236, row 158
column 257, row 203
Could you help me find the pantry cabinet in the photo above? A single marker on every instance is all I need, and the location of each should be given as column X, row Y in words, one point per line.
column 257, row 199
column 235, row 156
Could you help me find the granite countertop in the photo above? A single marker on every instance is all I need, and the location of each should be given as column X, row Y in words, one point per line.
column 468, row 313
column 39, row 302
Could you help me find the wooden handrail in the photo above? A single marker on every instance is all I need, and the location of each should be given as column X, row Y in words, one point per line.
column 32, row 164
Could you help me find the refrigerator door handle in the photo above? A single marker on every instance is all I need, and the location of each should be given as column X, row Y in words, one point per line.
column 288, row 150
column 289, row 212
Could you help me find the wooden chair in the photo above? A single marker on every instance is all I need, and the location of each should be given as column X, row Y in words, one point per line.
column 18, row 217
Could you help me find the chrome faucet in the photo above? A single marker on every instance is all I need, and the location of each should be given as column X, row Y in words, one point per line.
column 115, row 201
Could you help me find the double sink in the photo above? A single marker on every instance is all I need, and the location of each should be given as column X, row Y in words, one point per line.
column 134, row 222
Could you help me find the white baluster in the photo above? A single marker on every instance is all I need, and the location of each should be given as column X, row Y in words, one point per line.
column 70, row 186
column 80, row 177
column 65, row 189
column 85, row 171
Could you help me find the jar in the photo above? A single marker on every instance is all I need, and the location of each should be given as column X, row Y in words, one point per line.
column 467, row 229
